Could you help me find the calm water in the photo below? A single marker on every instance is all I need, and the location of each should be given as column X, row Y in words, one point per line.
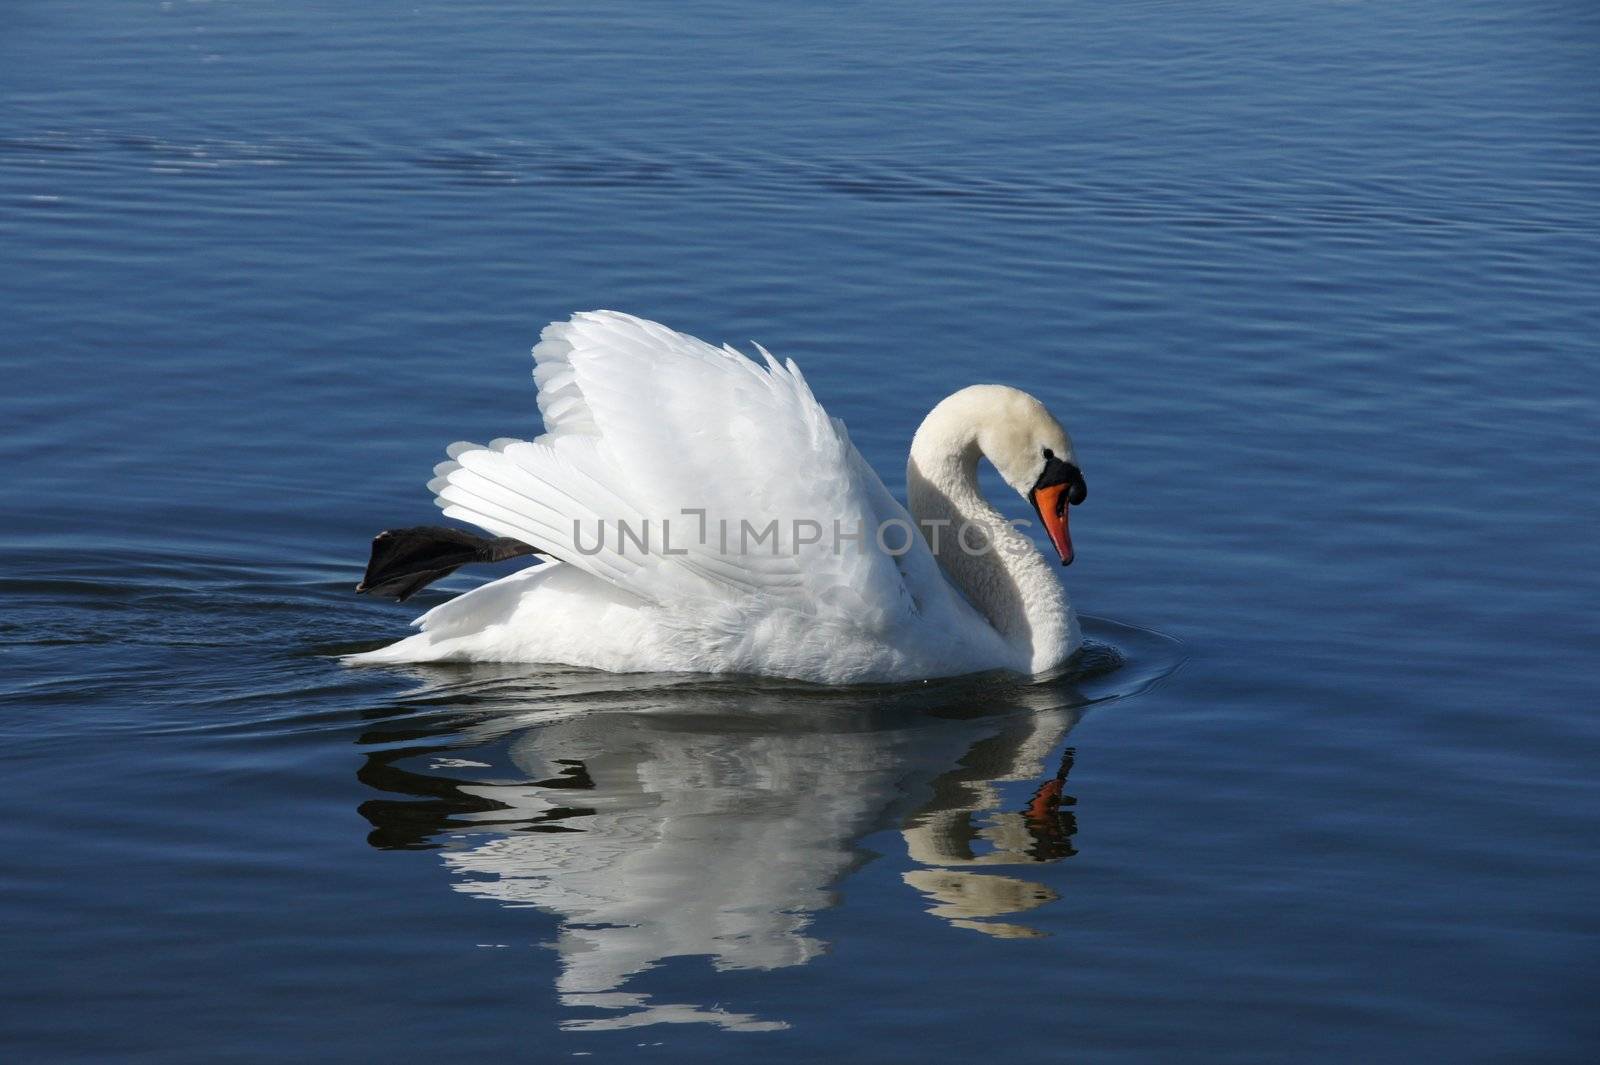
column 1314, row 286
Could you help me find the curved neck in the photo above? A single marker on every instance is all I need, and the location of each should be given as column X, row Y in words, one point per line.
column 994, row 565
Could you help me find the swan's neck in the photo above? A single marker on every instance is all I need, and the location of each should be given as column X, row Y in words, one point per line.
column 1009, row 582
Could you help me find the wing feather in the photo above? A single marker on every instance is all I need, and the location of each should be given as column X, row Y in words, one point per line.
column 644, row 424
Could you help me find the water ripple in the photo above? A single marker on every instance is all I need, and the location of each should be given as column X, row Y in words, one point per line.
column 1308, row 202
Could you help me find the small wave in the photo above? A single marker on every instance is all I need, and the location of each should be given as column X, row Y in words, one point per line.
column 1312, row 203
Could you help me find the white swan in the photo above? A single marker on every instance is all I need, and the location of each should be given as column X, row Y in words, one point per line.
column 702, row 513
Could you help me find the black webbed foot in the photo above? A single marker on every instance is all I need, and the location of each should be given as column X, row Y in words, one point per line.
column 405, row 561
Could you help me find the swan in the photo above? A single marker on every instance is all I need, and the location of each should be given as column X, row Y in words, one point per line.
column 701, row 512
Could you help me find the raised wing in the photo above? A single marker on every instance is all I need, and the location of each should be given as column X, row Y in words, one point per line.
column 672, row 469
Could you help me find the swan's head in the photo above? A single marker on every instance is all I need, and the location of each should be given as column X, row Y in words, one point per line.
column 1032, row 452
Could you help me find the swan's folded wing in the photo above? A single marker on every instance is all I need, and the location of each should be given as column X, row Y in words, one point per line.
column 754, row 488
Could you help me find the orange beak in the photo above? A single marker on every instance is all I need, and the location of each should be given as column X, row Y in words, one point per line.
column 1051, row 503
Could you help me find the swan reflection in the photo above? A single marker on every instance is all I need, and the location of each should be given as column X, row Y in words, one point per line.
column 663, row 818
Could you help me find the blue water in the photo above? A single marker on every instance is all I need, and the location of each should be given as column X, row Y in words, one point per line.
column 1316, row 288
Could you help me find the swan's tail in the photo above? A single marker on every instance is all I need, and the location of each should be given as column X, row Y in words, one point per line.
column 404, row 561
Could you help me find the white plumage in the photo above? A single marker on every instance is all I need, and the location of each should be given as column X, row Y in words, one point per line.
column 664, row 461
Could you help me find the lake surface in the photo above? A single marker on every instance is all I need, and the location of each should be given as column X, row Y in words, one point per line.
column 1314, row 287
